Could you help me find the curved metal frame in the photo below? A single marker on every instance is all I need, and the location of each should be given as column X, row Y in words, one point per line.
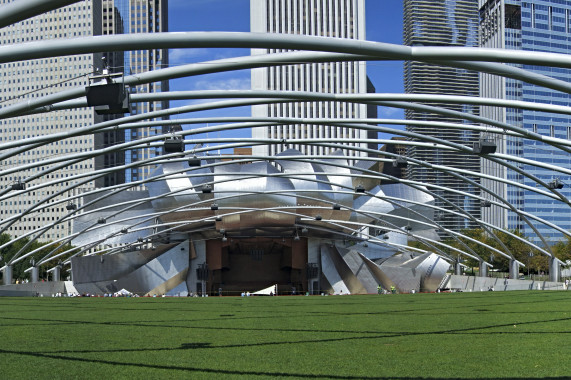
column 156, row 159
column 322, row 50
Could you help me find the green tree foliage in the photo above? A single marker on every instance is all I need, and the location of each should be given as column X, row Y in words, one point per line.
column 19, row 268
column 562, row 249
column 522, row 252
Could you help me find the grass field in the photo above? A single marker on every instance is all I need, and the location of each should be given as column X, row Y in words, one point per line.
column 437, row 336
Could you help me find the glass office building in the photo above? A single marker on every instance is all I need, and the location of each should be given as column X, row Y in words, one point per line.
column 534, row 25
column 339, row 18
column 443, row 23
column 136, row 16
column 21, row 81
column 32, row 79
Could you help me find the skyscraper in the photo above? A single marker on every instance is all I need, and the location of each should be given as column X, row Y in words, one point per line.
column 135, row 16
column 443, row 23
column 339, row 18
column 534, row 25
column 36, row 78
column 115, row 21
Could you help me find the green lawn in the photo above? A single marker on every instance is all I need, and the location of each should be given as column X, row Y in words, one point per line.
column 442, row 336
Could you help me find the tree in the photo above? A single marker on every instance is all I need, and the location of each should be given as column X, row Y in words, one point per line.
column 43, row 249
column 514, row 241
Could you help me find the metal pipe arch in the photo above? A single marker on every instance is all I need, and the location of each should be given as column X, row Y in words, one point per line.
column 21, row 10
column 145, row 41
column 138, row 202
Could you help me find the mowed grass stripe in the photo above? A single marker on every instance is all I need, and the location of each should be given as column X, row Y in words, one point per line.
column 441, row 336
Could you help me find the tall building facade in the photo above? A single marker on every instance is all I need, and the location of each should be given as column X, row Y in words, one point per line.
column 330, row 18
column 443, row 23
column 114, row 21
column 33, row 79
column 534, row 25
column 36, row 78
column 135, row 16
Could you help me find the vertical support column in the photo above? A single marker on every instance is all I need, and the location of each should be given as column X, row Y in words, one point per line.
column 554, row 269
column 203, row 274
column 197, row 249
column 313, row 256
column 35, row 274
column 514, row 269
column 457, row 268
column 483, row 269
column 56, row 274
column 311, row 274
column 8, row 275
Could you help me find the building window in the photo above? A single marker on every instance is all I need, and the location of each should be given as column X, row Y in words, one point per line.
column 513, row 16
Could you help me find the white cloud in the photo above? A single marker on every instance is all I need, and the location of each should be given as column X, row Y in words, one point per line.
column 389, row 112
column 182, row 56
column 231, row 53
column 192, row 102
column 223, row 84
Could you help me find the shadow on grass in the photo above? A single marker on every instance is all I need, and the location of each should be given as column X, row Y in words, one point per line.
column 379, row 335
column 157, row 324
column 235, row 372
column 68, row 355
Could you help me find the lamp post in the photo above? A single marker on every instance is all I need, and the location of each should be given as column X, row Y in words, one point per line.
column 202, row 274
column 35, row 271
column 529, row 256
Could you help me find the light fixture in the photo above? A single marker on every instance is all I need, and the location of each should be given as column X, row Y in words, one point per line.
column 175, row 128
column 359, row 189
column 19, row 186
column 194, row 161
column 304, row 230
column 71, row 206
column 214, row 207
column 124, row 230
column 173, row 145
column 224, row 238
column 485, row 203
column 337, row 206
column 555, row 184
column 218, row 219
column 484, row 147
column 318, row 217
column 296, row 237
column 101, row 220
column 107, row 97
column 206, row 189
column 400, row 162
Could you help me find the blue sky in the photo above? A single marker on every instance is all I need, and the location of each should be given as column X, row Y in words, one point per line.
column 383, row 24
